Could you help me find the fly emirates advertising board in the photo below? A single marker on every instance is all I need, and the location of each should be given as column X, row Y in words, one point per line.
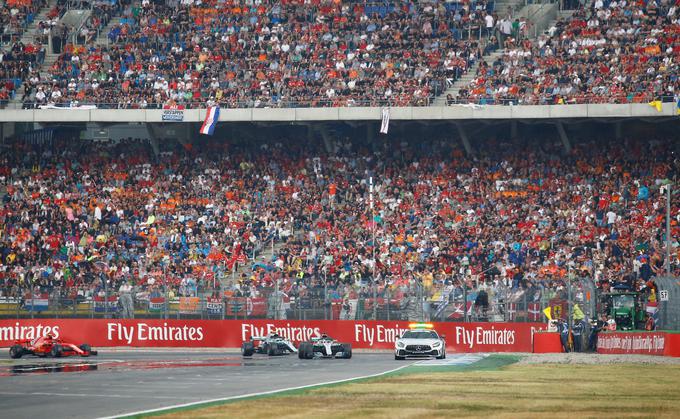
column 460, row 337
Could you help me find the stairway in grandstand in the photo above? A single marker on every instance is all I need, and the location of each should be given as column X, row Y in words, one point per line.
column 103, row 36
column 29, row 37
column 545, row 15
column 466, row 78
column 502, row 8
column 31, row 31
column 542, row 16
column 506, row 7
column 50, row 58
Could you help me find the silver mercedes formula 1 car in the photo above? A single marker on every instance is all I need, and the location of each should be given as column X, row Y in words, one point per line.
column 324, row 347
column 271, row 345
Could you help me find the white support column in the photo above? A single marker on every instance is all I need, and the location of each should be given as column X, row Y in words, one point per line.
column 618, row 130
column 370, row 132
column 310, row 133
column 563, row 136
column 153, row 138
column 464, row 139
column 328, row 141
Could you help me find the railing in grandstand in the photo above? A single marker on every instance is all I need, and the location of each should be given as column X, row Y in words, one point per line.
column 282, row 104
column 288, row 104
column 559, row 100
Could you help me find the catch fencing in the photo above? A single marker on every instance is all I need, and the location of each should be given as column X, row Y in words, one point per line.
column 409, row 302
column 668, row 303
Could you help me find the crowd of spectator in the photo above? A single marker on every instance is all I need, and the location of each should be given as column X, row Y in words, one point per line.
column 15, row 16
column 18, row 60
column 519, row 217
column 99, row 18
column 16, row 65
column 326, row 53
column 76, row 213
column 612, row 52
column 275, row 54
column 49, row 26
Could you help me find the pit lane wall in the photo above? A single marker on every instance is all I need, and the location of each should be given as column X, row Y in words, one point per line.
column 460, row 337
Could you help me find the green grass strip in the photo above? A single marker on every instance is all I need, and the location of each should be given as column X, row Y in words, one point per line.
column 489, row 363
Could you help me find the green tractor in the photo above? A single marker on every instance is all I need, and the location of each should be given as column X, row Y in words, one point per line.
column 626, row 310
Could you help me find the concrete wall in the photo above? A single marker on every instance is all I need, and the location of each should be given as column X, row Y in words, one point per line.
column 457, row 112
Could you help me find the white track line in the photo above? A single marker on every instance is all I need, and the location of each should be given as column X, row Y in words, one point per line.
column 263, row 393
column 451, row 361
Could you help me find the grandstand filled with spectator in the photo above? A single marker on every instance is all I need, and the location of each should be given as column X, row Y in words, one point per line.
column 518, row 216
column 327, row 53
column 274, row 54
column 15, row 16
column 16, row 65
column 611, row 52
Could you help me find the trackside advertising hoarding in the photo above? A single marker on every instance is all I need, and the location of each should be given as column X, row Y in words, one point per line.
column 643, row 343
column 460, row 337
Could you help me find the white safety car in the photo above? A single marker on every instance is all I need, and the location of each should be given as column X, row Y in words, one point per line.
column 420, row 341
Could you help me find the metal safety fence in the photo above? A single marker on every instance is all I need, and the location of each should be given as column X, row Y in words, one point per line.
column 668, row 303
column 576, row 298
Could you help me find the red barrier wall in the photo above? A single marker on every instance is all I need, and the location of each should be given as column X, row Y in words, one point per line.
column 547, row 342
column 672, row 345
column 460, row 337
column 643, row 343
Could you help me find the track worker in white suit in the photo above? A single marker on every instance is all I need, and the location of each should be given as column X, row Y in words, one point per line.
column 125, row 295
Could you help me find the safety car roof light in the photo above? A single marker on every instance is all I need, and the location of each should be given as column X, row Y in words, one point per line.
column 421, row 326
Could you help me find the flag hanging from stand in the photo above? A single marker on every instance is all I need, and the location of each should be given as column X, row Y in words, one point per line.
column 385, row 125
column 656, row 104
column 211, row 118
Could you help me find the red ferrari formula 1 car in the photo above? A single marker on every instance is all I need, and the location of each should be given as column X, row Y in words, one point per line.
column 48, row 346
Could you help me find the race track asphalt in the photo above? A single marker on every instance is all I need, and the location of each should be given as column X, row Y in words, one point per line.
column 121, row 382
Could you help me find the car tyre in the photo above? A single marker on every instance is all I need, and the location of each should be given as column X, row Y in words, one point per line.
column 301, row 350
column 247, row 349
column 443, row 355
column 346, row 350
column 16, row 351
column 273, row 349
column 309, row 353
column 305, row 351
column 57, row 351
column 86, row 348
column 399, row 358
